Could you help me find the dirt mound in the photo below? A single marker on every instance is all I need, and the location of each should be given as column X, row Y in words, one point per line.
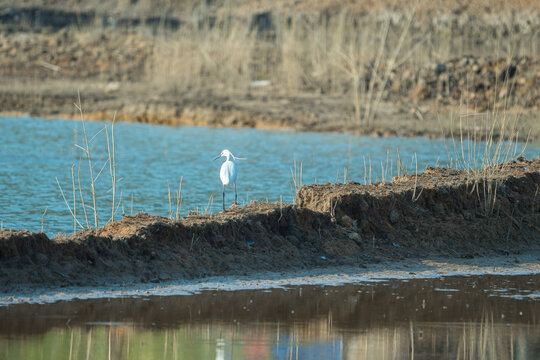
column 478, row 83
column 440, row 211
column 23, row 243
column 461, row 212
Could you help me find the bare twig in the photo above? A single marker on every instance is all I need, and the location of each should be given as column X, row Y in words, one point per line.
column 414, row 197
column 296, row 179
column 74, row 200
column 170, row 203
column 179, row 199
column 43, row 218
column 209, row 205
column 69, row 208
column 111, row 149
column 88, row 153
column 81, row 194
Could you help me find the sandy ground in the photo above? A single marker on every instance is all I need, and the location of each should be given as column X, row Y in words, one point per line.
column 523, row 264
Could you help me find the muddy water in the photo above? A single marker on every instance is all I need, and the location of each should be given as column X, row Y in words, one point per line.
column 494, row 317
column 33, row 152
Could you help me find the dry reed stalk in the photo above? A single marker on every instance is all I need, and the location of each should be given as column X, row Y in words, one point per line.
column 500, row 146
column 205, row 56
column 370, row 170
column 112, row 164
column 209, row 205
column 120, row 202
column 399, row 164
column 111, row 148
column 371, row 89
column 78, row 105
column 74, row 198
column 389, row 68
column 414, row 197
column 296, row 179
column 170, row 203
column 67, row 204
column 179, row 199
column 81, row 194
column 43, row 218
column 365, row 171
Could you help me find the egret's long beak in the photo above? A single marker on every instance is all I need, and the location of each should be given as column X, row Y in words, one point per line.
column 217, row 157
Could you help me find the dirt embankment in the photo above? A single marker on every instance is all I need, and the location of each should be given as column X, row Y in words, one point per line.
column 438, row 212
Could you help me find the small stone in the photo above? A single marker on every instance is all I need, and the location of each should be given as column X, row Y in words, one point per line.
column 354, row 236
column 394, row 216
column 347, row 221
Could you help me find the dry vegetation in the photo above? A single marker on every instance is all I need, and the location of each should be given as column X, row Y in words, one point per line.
column 419, row 60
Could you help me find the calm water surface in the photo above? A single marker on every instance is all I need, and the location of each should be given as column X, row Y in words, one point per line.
column 491, row 317
column 34, row 152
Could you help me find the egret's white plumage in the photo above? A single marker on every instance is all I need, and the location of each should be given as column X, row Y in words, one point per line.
column 228, row 173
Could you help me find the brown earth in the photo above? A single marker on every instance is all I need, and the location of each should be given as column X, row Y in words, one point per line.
column 49, row 50
column 437, row 212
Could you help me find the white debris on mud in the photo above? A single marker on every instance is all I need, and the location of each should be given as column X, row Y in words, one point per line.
column 332, row 276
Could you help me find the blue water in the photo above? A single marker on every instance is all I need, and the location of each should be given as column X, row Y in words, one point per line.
column 34, row 152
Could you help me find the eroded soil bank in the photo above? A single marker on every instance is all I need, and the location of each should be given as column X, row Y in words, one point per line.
column 440, row 212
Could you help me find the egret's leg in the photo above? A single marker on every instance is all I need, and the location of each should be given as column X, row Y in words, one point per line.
column 235, row 195
column 223, row 198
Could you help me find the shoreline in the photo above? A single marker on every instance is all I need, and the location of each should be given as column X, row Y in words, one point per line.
column 393, row 122
column 437, row 267
column 272, row 75
column 437, row 213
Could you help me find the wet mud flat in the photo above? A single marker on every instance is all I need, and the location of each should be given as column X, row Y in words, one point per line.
column 445, row 317
column 377, row 303
column 439, row 212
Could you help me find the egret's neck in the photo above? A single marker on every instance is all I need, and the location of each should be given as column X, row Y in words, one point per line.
column 228, row 157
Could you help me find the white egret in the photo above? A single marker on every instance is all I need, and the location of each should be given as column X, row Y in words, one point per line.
column 228, row 173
